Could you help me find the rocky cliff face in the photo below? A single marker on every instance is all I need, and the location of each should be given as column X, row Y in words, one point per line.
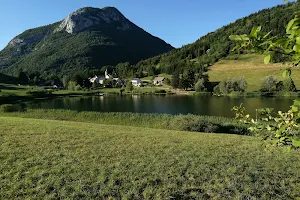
column 88, row 17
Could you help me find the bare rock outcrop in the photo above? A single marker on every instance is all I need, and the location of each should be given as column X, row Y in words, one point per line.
column 88, row 17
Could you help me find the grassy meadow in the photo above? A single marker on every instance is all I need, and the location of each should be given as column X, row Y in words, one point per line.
column 252, row 68
column 47, row 159
column 9, row 89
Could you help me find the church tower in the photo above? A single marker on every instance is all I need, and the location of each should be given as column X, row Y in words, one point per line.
column 106, row 74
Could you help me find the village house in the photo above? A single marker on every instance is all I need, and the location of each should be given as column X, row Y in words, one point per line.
column 158, row 80
column 97, row 79
column 137, row 82
column 100, row 79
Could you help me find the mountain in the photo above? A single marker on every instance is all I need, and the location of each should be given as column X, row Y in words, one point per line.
column 216, row 45
column 88, row 38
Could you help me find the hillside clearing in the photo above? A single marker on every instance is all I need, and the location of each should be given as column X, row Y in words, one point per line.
column 252, row 68
column 59, row 159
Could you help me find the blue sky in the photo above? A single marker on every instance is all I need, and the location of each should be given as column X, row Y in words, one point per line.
column 178, row 22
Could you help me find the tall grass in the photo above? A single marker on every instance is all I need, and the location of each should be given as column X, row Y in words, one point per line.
column 189, row 122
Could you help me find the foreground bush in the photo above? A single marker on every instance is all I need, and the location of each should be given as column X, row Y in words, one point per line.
column 281, row 129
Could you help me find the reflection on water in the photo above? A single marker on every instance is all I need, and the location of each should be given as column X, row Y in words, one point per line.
column 206, row 105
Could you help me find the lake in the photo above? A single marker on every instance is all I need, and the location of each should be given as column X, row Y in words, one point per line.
column 171, row 104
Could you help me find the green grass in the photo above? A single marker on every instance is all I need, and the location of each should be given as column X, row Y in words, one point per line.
column 44, row 159
column 161, row 121
column 15, row 89
column 252, row 68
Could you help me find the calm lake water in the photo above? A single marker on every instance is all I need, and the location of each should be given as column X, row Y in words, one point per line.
column 172, row 104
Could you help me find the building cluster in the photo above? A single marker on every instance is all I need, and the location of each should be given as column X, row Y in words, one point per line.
column 135, row 81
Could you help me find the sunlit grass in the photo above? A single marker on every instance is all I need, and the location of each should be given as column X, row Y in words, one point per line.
column 57, row 159
column 252, row 68
column 9, row 89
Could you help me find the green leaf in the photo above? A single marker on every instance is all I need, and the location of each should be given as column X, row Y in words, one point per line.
column 296, row 102
column 235, row 38
column 267, row 59
column 298, row 40
column 296, row 48
column 286, row 73
column 289, row 26
column 265, row 36
column 236, row 47
column 296, row 142
column 294, row 109
column 255, row 31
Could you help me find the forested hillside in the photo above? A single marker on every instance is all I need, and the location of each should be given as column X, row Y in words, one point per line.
column 216, row 45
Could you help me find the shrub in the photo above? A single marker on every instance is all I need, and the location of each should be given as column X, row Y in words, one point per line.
column 217, row 89
column 129, row 86
column 200, row 85
column 11, row 108
column 278, row 130
column 206, row 124
column 7, row 108
column 77, row 88
column 289, row 85
column 225, row 87
column 72, row 85
column 239, row 84
column 269, row 84
column 160, row 91
column 236, row 84
column 167, row 81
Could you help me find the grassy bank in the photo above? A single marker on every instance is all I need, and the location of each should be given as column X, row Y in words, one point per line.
column 195, row 123
column 45, row 159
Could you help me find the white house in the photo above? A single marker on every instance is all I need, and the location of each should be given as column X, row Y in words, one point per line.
column 137, row 82
column 100, row 79
column 97, row 79
column 158, row 80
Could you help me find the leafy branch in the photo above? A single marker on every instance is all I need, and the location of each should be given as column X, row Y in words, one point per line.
column 280, row 130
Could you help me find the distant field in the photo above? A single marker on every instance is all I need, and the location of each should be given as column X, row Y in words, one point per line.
column 15, row 89
column 252, row 68
column 44, row 159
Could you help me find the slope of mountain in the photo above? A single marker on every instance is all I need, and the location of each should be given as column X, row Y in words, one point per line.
column 88, row 38
column 216, row 45
column 252, row 68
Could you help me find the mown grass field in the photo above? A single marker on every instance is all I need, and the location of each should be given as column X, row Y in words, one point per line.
column 252, row 68
column 45, row 159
